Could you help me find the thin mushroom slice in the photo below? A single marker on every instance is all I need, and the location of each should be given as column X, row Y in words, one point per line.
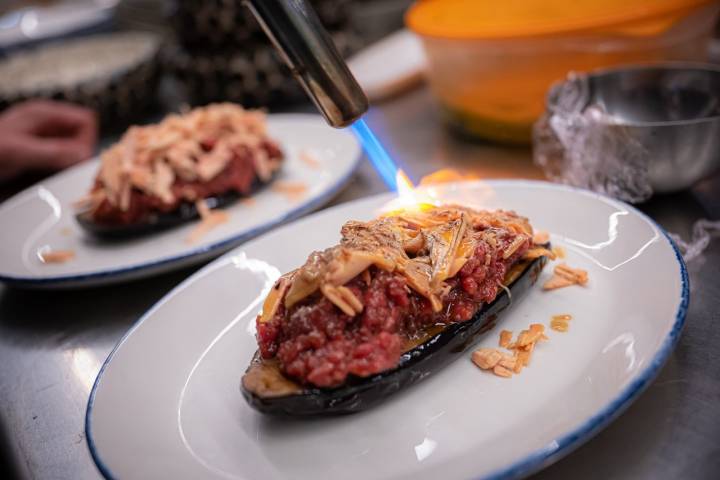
column 444, row 245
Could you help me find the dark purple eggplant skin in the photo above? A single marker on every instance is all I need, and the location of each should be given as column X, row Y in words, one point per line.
column 156, row 222
column 360, row 393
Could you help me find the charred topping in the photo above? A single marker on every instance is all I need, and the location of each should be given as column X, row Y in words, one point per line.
column 425, row 247
column 192, row 147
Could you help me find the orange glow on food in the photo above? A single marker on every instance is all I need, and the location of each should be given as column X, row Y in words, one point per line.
column 405, row 187
column 446, row 175
column 408, row 198
column 424, row 196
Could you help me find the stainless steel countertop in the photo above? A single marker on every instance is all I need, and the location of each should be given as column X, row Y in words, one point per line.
column 52, row 344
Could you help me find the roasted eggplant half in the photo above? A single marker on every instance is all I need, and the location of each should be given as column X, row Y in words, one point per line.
column 267, row 390
column 399, row 298
column 154, row 177
column 153, row 221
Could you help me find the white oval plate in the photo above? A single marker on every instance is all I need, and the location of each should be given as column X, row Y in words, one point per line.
column 167, row 402
column 42, row 216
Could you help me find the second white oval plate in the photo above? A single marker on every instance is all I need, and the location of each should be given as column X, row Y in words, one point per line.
column 42, row 216
column 167, row 402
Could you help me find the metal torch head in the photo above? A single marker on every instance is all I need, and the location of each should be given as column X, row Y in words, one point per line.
column 307, row 49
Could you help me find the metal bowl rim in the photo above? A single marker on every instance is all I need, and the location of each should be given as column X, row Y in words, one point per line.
column 666, row 65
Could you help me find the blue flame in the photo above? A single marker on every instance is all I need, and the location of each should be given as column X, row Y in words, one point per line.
column 384, row 165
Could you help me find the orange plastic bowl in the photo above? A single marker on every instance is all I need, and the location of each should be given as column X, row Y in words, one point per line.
column 491, row 62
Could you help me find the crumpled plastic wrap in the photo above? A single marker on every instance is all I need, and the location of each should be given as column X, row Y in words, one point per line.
column 577, row 143
column 702, row 232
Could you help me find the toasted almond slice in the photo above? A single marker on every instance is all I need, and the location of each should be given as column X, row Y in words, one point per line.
column 559, row 325
column 209, row 219
column 56, row 256
column 518, row 242
column 89, row 201
column 577, row 275
column 501, row 371
column 486, row 358
column 528, row 337
column 556, row 282
column 202, row 208
column 505, row 337
column 564, row 276
column 332, row 294
column 559, row 251
column 309, row 159
column 523, row 359
column 541, row 237
column 563, row 316
column 350, row 298
column 508, row 362
column 537, row 252
column 293, row 191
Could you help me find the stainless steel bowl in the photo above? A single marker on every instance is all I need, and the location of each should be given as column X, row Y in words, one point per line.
column 671, row 109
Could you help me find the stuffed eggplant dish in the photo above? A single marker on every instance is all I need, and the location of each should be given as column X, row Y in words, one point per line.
column 154, row 177
column 397, row 299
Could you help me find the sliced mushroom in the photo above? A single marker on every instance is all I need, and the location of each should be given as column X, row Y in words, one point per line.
column 418, row 273
column 304, row 284
column 272, row 301
column 414, row 244
column 513, row 247
column 463, row 253
column 347, row 264
column 444, row 245
column 440, row 242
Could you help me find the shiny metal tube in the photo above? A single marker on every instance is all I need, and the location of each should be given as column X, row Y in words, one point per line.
column 295, row 30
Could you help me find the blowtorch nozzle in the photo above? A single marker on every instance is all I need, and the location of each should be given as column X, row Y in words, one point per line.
column 295, row 30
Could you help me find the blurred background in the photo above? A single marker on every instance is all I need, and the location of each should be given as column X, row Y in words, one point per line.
column 488, row 66
column 130, row 59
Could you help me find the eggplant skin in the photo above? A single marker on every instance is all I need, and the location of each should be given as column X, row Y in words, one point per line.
column 156, row 222
column 360, row 393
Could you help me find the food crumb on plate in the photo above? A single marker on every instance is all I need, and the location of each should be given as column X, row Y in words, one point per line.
column 209, row 219
column 559, row 323
column 564, row 276
column 505, row 337
column 504, row 364
column 541, row 237
column 56, row 256
column 293, row 191
column 537, row 252
column 309, row 159
column 559, row 251
column 446, row 175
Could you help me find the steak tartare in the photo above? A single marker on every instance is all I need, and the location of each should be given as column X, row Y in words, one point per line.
column 209, row 151
column 353, row 309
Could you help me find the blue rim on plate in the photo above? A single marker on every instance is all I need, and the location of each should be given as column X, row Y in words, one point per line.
column 542, row 457
column 73, row 280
